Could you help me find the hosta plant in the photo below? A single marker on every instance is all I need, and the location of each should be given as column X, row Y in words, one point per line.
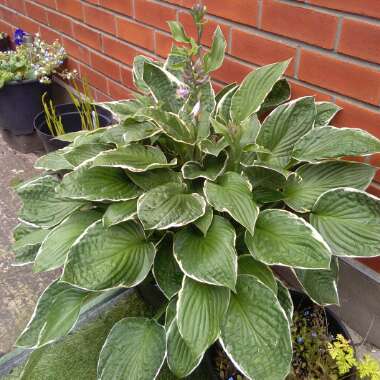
column 205, row 193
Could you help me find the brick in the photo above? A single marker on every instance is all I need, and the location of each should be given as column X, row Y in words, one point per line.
column 356, row 81
column 110, row 68
column 87, row 36
column 354, row 116
column 100, row 96
column 47, row 3
column 36, row 12
column 260, row 50
column 121, row 6
column 135, row 33
column 299, row 91
column 360, row 39
column 209, row 28
column 100, row 19
column 231, row 71
column 72, row 8
column 375, row 161
column 316, row 28
column 25, row 23
column 119, row 50
column 375, row 190
column 96, row 79
column 18, row 5
column 154, row 14
column 49, row 35
column 60, row 23
column 164, row 44
column 373, row 263
column 362, row 7
column 127, row 77
column 76, row 50
column 118, row 91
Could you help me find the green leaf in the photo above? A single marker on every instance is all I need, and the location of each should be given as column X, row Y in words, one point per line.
column 55, row 247
column 54, row 161
column 255, row 333
column 204, row 222
column 166, row 271
column 215, row 57
column 27, row 246
column 135, row 158
column 105, row 258
column 283, row 128
column 97, row 184
column 349, row 221
column 321, row 285
column 285, row 239
column 325, row 113
column 254, row 89
column 41, row 205
column 169, row 206
column 171, row 312
column 138, row 71
column 56, row 313
column 223, row 110
column 119, row 212
column 153, row 178
column 90, row 137
column 178, row 32
column 71, row 136
column 280, row 93
column 209, row 258
column 207, row 106
column 303, row 188
column 200, row 312
column 232, row 194
column 248, row 265
column 213, row 148
column 330, row 142
column 84, row 153
column 163, row 86
column 134, row 349
column 285, row 299
column 181, row 359
column 210, row 168
column 224, row 91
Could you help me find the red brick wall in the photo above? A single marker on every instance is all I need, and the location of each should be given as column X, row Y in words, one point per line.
column 335, row 44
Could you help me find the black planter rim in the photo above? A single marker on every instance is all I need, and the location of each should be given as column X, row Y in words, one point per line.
column 21, row 82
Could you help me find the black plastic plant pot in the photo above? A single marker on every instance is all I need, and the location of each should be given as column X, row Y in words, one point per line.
column 20, row 102
column 5, row 44
column 71, row 122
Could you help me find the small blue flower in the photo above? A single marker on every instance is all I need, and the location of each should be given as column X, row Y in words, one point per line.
column 306, row 313
column 314, row 334
column 19, row 36
column 230, row 378
column 300, row 340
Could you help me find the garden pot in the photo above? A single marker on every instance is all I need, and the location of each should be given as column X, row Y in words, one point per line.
column 5, row 44
column 20, row 102
column 71, row 123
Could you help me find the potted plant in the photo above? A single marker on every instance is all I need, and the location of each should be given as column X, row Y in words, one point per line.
column 82, row 114
column 203, row 194
column 25, row 74
column 4, row 42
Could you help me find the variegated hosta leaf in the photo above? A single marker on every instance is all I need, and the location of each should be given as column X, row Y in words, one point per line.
column 303, row 188
column 27, row 246
column 54, row 161
column 166, row 271
column 105, row 258
column 286, row 239
column 213, row 148
column 282, row 129
column 178, row 32
column 232, row 194
column 98, row 184
column 90, row 137
column 119, row 212
column 128, row 108
column 331, row 142
column 84, row 153
column 169, row 206
column 285, row 300
column 325, row 113
column 200, row 312
column 55, row 247
column 248, row 265
column 250, row 128
column 41, row 205
column 321, row 285
column 223, row 110
column 153, row 178
column 181, row 359
column 254, row 89
column 70, row 136
column 209, row 258
column 215, row 57
column 138, row 71
column 163, row 86
column 224, row 91
column 207, row 106
column 134, row 349
column 255, row 332
column 55, row 315
column 349, row 221
column 280, row 93
column 135, row 158
column 171, row 312
column 204, row 222
column 173, row 126
column 211, row 168
column 23, row 229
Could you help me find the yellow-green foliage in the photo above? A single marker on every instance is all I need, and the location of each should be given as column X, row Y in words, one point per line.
column 369, row 368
